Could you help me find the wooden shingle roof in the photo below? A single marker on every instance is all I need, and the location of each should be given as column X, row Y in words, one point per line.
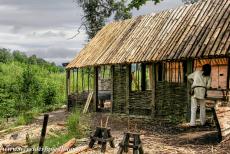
column 199, row 30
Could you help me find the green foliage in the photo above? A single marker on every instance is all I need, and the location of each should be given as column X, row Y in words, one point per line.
column 24, row 87
column 25, row 118
column 73, row 123
column 74, row 131
column 190, row 1
column 55, row 142
column 96, row 12
column 5, row 56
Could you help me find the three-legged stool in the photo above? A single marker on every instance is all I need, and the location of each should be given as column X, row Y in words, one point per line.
column 134, row 139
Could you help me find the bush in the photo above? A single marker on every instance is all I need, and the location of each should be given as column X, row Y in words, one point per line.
column 49, row 95
column 38, row 86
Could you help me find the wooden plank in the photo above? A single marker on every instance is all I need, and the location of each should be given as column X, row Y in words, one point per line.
column 89, row 99
column 65, row 147
column 222, row 115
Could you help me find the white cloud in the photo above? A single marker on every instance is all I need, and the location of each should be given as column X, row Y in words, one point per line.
column 43, row 27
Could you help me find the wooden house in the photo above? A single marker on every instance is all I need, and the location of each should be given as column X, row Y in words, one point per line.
column 147, row 59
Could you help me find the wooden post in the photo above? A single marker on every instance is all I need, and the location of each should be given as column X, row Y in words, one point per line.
column 95, row 89
column 43, row 133
column 227, row 82
column 67, row 82
column 143, row 77
column 128, row 87
column 73, row 90
column 152, row 71
column 189, row 71
column 112, row 85
column 77, row 82
column 228, row 74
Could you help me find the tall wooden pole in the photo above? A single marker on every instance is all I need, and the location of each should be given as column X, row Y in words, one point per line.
column 143, row 77
column 228, row 78
column 112, row 85
column 189, row 70
column 95, row 89
column 43, row 133
column 228, row 74
column 128, row 87
column 67, row 82
column 152, row 72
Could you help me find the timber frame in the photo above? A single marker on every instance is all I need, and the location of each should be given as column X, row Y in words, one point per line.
column 168, row 46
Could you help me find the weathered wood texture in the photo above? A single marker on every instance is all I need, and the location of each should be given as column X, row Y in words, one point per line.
column 223, row 116
column 193, row 31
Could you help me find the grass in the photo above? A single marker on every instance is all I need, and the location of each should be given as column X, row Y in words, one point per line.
column 73, row 123
column 55, row 142
column 73, row 131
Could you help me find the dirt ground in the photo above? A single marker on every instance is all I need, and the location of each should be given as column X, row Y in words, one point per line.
column 156, row 137
column 163, row 138
column 18, row 134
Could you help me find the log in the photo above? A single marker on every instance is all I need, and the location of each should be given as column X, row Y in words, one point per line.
column 78, row 150
column 65, row 147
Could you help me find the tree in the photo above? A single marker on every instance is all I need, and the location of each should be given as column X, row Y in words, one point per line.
column 20, row 56
column 5, row 56
column 189, row 1
column 96, row 12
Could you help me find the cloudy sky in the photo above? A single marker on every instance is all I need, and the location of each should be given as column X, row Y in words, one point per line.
column 42, row 27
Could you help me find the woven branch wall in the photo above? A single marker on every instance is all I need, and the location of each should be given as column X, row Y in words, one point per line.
column 119, row 91
column 140, row 102
column 171, row 100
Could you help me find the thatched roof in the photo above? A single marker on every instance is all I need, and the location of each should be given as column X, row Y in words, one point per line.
column 194, row 31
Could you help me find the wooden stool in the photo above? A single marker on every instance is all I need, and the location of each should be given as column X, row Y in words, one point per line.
column 102, row 136
column 135, row 141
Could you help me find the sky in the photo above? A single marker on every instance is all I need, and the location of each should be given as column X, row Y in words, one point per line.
column 43, row 27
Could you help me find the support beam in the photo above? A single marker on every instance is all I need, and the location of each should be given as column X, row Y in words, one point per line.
column 73, row 89
column 152, row 72
column 67, row 82
column 77, row 84
column 95, row 89
column 228, row 78
column 228, row 74
column 143, row 77
column 112, row 85
column 189, row 70
column 128, row 88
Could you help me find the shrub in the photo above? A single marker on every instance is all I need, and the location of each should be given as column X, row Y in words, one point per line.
column 49, row 95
